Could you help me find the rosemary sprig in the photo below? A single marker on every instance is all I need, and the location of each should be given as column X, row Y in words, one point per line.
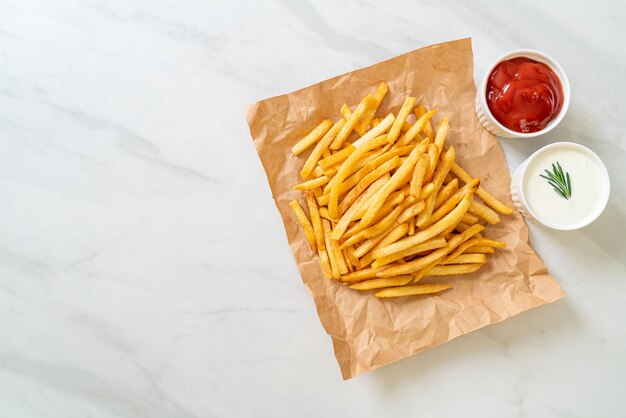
column 560, row 182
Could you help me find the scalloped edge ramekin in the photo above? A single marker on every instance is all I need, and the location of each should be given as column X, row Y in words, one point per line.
column 517, row 187
column 490, row 122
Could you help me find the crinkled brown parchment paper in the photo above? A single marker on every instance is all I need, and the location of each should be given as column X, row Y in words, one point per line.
column 368, row 332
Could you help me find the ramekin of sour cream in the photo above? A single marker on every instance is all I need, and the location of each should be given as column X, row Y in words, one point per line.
column 562, row 186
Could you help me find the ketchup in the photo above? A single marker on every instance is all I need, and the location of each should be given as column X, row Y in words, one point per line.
column 524, row 94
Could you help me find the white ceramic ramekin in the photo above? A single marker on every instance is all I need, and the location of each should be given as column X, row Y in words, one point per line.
column 521, row 203
column 490, row 122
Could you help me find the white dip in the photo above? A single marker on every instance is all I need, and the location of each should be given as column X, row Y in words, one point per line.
column 589, row 188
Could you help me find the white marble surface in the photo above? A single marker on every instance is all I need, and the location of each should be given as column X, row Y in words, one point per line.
column 144, row 271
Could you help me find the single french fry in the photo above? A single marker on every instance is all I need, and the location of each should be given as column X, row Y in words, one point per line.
column 431, row 244
column 419, row 263
column 399, row 178
column 450, row 203
column 346, row 111
column 416, row 128
column 351, row 122
column 485, row 196
column 451, row 219
column 411, row 212
column 406, row 108
column 312, row 137
column 440, row 137
column 341, row 262
column 446, row 192
column 325, row 263
column 454, row 269
column 469, row 219
column 336, row 157
column 330, row 250
column 350, row 214
column 320, row 148
column 360, row 275
column 368, row 117
column 428, row 128
column 347, row 260
column 433, row 154
column 484, row 212
column 305, row 223
column 381, row 283
column 482, row 249
column 316, row 220
column 312, row 184
column 426, row 191
column 416, row 289
column 440, row 174
column 418, row 175
column 467, row 259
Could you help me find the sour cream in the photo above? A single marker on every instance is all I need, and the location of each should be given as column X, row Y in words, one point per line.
column 588, row 183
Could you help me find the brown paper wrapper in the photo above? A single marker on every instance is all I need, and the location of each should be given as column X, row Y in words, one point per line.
column 368, row 332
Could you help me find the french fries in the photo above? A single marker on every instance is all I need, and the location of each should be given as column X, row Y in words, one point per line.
column 467, row 259
column 393, row 205
column 312, row 137
column 491, row 201
column 382, row 283
column 320, row 148
column 418, row 175
column 351, row 123
column 316, row 220
column 454, row 269
column 305, row 223
column 406, row 108
column 371, row 112
column 428, row 128
column 417, row 289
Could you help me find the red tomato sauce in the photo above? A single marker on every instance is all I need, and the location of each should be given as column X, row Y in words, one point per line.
column 524, row 95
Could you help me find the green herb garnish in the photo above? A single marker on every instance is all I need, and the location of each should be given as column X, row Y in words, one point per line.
column 559, row 181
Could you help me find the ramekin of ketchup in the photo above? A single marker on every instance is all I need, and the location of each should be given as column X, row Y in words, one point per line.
column 524, row 94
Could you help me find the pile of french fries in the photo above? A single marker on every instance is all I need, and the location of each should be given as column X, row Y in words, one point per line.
column 392, row 206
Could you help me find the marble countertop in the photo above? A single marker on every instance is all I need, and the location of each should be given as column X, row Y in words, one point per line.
column 144, row 269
